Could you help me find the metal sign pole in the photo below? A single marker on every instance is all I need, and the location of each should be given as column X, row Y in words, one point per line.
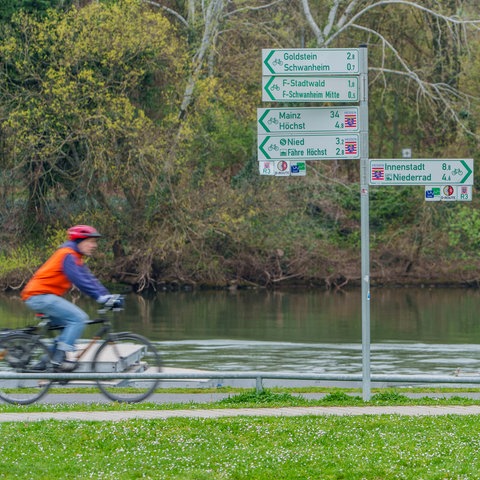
column 365, row 227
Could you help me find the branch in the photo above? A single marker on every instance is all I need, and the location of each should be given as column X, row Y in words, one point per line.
column 435, row 14
column 435, row 93
column 313, row 25
column 331, row 18
column 212, row 20
column 346, row 13
column 408, row 71
column 169, row 10
column 253, row 8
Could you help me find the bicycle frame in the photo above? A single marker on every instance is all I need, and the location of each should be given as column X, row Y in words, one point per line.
column 104, row 333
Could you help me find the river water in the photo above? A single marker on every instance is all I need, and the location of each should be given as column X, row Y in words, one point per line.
column 413, row 330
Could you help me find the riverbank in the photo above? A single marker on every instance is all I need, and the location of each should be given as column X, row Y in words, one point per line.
column 454, row 281
column 313, row 270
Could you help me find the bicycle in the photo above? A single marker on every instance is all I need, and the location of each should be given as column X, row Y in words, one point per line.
column 27, row 350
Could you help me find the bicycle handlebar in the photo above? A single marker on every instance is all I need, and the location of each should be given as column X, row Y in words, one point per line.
column 114, row 304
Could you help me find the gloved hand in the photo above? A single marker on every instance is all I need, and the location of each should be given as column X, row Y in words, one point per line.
column 103, row 299
column 111, row 301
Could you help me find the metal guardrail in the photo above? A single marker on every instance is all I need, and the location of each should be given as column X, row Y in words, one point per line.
column 257, row 376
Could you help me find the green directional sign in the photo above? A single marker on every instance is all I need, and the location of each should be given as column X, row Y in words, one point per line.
column 310, row 61
column 421, row 172
column 308, row 147
column 309, row 89
column 303, row 120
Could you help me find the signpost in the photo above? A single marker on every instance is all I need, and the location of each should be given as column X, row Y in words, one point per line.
column 288, row 137
column 421, row 172
column 308, row 147
column 309, row 89
column 292, row 120
column 310, row 61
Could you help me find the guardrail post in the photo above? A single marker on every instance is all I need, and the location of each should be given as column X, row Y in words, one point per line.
column 258, row 384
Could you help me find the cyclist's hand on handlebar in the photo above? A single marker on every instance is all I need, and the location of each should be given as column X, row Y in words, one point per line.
column 105, row 299
column 111, row 301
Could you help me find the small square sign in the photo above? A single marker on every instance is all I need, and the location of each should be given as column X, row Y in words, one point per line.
column 266, row 168
column 298, row 169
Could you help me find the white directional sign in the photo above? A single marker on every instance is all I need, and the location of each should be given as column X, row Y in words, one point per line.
column 307, row 147
column 294, row 120
column 310, row 61
column 310, row 89
column 421, row 172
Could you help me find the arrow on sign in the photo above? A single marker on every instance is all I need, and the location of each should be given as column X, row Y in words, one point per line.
column 267, row 88
column 267, row 60
column 469, row 171
column 262, row 145
column 262, row 118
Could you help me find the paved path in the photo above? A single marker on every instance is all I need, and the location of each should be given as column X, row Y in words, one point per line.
column 198, row 398
column 248, row 412
column 210, row 397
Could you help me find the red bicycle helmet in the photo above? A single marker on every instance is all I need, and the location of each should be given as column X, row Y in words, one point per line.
column 81, row 232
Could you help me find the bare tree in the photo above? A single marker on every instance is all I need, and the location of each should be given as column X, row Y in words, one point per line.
column 210, row 15
column 345, row 16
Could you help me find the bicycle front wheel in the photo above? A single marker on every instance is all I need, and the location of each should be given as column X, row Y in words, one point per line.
column 23, row 353
column 127, row 353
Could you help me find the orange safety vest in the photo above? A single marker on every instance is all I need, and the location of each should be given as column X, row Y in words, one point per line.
column 50, row 277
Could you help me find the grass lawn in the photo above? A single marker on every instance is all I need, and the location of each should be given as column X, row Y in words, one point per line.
column 363, row 447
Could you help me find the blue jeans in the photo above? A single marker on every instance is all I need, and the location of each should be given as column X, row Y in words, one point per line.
column 61, row 312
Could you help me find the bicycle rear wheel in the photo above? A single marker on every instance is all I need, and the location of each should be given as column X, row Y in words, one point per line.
column 127, row 353
column 23, row 353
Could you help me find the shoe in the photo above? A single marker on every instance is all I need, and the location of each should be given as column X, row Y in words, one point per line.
column 60, row 362
column 66, row 367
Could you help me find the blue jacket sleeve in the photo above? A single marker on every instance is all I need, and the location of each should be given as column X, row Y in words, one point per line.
column 82, row 278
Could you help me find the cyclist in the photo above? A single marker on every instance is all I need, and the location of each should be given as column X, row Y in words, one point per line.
column 44, row 292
